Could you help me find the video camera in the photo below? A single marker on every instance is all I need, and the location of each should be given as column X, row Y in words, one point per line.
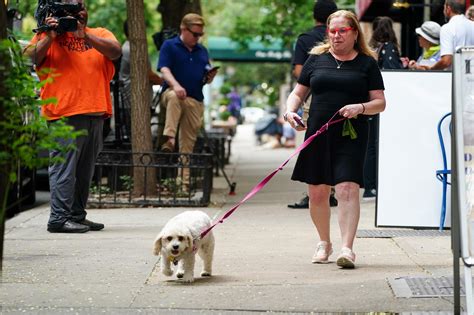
column 67, row 15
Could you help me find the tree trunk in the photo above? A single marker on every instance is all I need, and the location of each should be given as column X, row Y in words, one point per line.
column 172, row 11
column 4, row 63
column 144, row 180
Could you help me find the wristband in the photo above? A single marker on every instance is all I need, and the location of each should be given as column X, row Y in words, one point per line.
column 363, row 108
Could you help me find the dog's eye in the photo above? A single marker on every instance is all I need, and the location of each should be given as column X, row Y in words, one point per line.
column 169, row 238
column 180, row 238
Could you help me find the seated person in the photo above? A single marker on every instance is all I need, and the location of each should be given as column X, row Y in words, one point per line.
column 428, row 39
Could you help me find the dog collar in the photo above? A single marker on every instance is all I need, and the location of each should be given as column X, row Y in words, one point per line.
column 174, row 260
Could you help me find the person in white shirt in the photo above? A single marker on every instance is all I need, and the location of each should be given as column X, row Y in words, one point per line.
column 458, row 32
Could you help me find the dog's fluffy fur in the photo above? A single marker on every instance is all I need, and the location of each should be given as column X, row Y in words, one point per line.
column 176, row 241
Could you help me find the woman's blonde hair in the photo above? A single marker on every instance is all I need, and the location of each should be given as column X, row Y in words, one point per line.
column 360, row 44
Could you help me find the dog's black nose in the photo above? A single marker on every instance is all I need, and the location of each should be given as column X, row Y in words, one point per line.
column 175, row 246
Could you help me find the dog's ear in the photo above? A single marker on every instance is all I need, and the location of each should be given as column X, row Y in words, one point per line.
column 157, row 245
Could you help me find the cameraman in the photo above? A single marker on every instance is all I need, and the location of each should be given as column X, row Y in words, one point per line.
column 80, row 69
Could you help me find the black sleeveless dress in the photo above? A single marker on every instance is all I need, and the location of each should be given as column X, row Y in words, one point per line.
column 333, row 158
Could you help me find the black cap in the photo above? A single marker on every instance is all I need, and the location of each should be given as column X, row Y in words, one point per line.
column 322, row 9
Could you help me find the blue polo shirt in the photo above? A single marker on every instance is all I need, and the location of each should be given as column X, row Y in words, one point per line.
column 187, row 67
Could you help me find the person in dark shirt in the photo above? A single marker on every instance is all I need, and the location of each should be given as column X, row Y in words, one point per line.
column 305, row 42
column 385, row 43
column 343, row 77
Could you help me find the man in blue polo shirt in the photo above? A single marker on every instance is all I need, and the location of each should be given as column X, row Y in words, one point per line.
column 184, row 64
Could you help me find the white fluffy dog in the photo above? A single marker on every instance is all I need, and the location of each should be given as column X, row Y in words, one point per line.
column 179, row 241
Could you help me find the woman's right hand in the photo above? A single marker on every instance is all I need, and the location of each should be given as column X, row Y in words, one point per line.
column 295, row 121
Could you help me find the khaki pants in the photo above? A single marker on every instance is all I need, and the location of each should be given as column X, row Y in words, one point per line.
column 187, row 114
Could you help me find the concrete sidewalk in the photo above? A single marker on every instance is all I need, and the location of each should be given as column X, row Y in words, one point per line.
column 262, row 259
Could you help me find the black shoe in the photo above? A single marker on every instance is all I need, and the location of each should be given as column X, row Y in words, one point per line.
column 69, row 227
column 167, row 147
column 93, row 226
column 369, row 194
column 302, row 204
column 332, row 201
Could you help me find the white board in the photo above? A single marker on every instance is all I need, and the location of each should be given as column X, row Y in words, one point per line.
column 409, row 194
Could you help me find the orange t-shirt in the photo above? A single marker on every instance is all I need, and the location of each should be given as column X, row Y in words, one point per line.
column 80, row 76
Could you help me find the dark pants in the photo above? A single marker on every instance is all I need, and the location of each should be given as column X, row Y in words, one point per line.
column 370, row 165
column 70, row 180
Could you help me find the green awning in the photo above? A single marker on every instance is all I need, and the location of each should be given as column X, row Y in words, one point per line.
column 224, row 49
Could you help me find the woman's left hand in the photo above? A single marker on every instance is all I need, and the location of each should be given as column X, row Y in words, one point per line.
column 351, row 110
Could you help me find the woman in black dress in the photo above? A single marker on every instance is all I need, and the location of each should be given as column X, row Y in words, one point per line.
column 342, row 76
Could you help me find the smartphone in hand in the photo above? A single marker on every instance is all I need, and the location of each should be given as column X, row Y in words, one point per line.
column 208, row 70
column 299, row 122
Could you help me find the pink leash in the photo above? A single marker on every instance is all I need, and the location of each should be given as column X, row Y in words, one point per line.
column 262, row 184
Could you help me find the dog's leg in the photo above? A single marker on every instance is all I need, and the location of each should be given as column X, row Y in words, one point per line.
column 180, row 269
column 186, row 268
column 206, row 252
column 166, row 266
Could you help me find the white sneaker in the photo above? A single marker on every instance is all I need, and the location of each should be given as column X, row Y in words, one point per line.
column 346, row 258
column 322, row 253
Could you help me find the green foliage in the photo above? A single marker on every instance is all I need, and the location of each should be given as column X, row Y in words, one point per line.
column 172, row 185
column 102, row 190
column 224, row 115
column 225, row 89
column 224, row 101
column 263, row 19
column 283, row 19
column 23, row 131
column 109, row 14
column 127, row 182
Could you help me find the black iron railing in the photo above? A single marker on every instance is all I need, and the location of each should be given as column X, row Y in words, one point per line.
column 167, row 179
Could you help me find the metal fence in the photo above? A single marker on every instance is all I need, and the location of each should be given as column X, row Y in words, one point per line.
column 217, row 143
column 171, row 179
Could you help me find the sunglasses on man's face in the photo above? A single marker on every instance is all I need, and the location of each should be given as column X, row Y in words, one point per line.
column 195, row 34
column 340, row 30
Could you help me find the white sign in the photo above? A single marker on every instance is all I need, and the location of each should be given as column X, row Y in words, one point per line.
column 409, row 194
